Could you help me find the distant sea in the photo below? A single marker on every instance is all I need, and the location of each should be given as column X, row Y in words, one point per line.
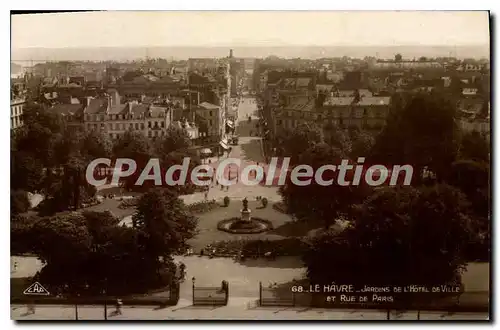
column 181, row 52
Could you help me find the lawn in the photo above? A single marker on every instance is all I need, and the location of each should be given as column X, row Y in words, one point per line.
column 208, row 232
column 112, row 206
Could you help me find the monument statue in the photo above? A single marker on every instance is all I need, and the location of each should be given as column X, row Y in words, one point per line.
column 245, row 212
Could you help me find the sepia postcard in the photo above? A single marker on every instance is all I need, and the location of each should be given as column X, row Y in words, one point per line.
column 250, row 165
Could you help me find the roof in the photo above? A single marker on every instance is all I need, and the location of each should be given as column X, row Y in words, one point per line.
column 67, row 109
column 70, row 85
column 209, row 106
column 365, row 101
column 323, row 87
column 97, row 105
column 302, row 104
column 117, row 109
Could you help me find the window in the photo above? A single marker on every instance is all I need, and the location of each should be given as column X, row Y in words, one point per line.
column 279, row 122
column 142, row 125
column 110, row 126
column 156, row 124
column 149, row 124
column 95, row 126
column 210, row 122
column 136, row 125
column 211, row 113
column 131, row 126
column 111, row 136
column 162, row 124
column 150, row 134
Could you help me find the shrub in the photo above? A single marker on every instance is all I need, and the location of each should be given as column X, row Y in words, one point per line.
column 203, row 207
column 226, row 201
column 127, row 203
column 258, row 247
column 264, row 202
column 19, row 202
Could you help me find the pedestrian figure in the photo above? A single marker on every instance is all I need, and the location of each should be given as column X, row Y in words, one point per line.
column 31, row 308
column 119, row 304
column 206, row 194
column 182, row 269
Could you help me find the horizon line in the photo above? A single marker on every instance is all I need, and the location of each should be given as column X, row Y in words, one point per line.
column 258, row 45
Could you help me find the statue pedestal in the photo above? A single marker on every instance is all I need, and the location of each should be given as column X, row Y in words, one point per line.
column 245, row 215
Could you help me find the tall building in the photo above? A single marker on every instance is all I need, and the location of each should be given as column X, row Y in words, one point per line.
column 17, row 103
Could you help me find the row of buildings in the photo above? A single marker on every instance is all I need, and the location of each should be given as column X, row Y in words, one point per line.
column 197, row 101
column 363, row 98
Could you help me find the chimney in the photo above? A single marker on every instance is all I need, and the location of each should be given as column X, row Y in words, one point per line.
column 115, row 97
column 86, row 101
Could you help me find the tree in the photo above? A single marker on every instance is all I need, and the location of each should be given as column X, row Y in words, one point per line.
column 96, row 144
column 19, row 202
column 135, row 146
column 163, row 221
column 473, row 179
column 361, row 143
column 317, row 202
column 300, row 139
column 399, row 236
column 175, row 139
column 422, row 133
column 338, row 138
column 474, row 146
column 86, row 253
column 66, row 230
column 398, row 57
column 27, row 172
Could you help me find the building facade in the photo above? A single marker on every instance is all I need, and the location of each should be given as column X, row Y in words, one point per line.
column 16, row 112
column 114, row 119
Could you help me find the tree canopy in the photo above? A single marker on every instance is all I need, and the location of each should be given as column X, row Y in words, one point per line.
column 399, row 236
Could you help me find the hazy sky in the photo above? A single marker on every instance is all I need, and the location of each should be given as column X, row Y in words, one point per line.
column 128, row 29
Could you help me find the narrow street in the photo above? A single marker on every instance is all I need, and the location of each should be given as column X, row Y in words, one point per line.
column 249, row 151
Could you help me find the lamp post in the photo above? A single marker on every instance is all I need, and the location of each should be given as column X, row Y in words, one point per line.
column 193, row 280
column 76, row 307
column 105, row 305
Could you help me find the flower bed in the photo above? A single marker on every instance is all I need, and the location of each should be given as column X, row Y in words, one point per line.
column 280, row 207
column 257, row 248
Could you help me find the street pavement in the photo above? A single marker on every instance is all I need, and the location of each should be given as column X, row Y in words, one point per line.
column 249, row 151
column 237, row 309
